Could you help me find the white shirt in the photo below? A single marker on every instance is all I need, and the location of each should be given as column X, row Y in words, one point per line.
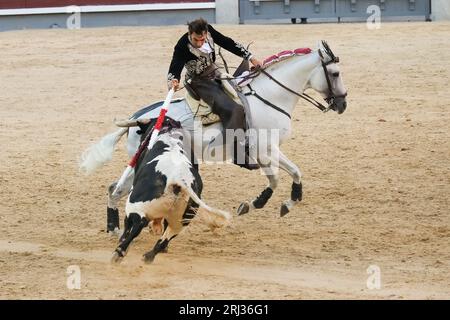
column 206, row 48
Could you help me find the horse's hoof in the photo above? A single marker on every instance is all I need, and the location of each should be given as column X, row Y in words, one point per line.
column 243, row 208
column 116, row 258
column 284, row 210
column 149, row 257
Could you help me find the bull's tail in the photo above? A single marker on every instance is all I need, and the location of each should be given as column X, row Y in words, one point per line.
column 101, row 152
column 214, row 218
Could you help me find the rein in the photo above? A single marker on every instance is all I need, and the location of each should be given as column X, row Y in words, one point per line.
column 330, row 99
column 304, row 96
column 253, row 92
column 253, row 74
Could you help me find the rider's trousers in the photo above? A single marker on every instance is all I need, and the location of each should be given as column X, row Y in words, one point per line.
column 231, row 114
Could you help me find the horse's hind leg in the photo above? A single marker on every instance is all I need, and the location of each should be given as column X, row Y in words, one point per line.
column 112, row 211
column 296, row 190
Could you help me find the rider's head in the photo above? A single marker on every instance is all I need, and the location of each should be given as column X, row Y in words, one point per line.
column 197, row 32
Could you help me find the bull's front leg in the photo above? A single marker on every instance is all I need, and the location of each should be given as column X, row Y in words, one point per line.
column 112, row 211
column 134, row 224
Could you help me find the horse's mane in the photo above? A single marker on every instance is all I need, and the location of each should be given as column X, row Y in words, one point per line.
column 283, row 55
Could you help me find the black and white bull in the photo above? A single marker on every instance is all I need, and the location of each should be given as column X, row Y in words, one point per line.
column 166, row 187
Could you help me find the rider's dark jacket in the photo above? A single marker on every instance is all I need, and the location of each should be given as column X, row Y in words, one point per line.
column 196, row 61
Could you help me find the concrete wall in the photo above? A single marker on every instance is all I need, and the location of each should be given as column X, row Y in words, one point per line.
column 227, row 11
column 105, row 19
column 331, row 10
column 440, row 10
column 104, row 16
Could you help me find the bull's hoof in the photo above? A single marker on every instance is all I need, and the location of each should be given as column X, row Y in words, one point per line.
column 116, row 233
column 165, row 250
column 116, row 258
column 243, row 208
column 149, row 257
column 284, row 210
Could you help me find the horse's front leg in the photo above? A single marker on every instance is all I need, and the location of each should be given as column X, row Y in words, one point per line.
column 270, row 169
column 296, row 191
column 112, row 211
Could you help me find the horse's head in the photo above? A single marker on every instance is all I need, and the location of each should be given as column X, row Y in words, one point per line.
column 326, row 79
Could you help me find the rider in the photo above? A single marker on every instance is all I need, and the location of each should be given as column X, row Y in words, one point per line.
column 195, row 51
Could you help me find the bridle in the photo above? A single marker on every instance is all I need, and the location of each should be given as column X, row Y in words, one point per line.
column 330, row 99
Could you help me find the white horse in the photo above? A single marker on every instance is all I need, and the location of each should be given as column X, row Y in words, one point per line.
column 272, row 97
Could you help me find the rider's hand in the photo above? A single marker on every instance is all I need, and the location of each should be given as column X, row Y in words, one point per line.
column 175, row 84
column 255, row 62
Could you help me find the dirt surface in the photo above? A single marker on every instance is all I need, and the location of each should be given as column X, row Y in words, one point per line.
column 376, row 179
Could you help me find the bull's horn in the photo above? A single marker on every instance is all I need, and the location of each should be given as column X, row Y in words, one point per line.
column 126, row 123
column 131, row 122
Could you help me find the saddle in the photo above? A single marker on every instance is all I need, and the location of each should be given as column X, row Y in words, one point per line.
column 202, row 110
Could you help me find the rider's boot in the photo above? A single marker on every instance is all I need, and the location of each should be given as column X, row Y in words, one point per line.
column 248, row 163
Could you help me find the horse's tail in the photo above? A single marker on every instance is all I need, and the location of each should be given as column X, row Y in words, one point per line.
column 101, row 152
column 213, row 217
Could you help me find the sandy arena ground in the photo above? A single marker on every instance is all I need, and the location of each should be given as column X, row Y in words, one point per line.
column 376, row 179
